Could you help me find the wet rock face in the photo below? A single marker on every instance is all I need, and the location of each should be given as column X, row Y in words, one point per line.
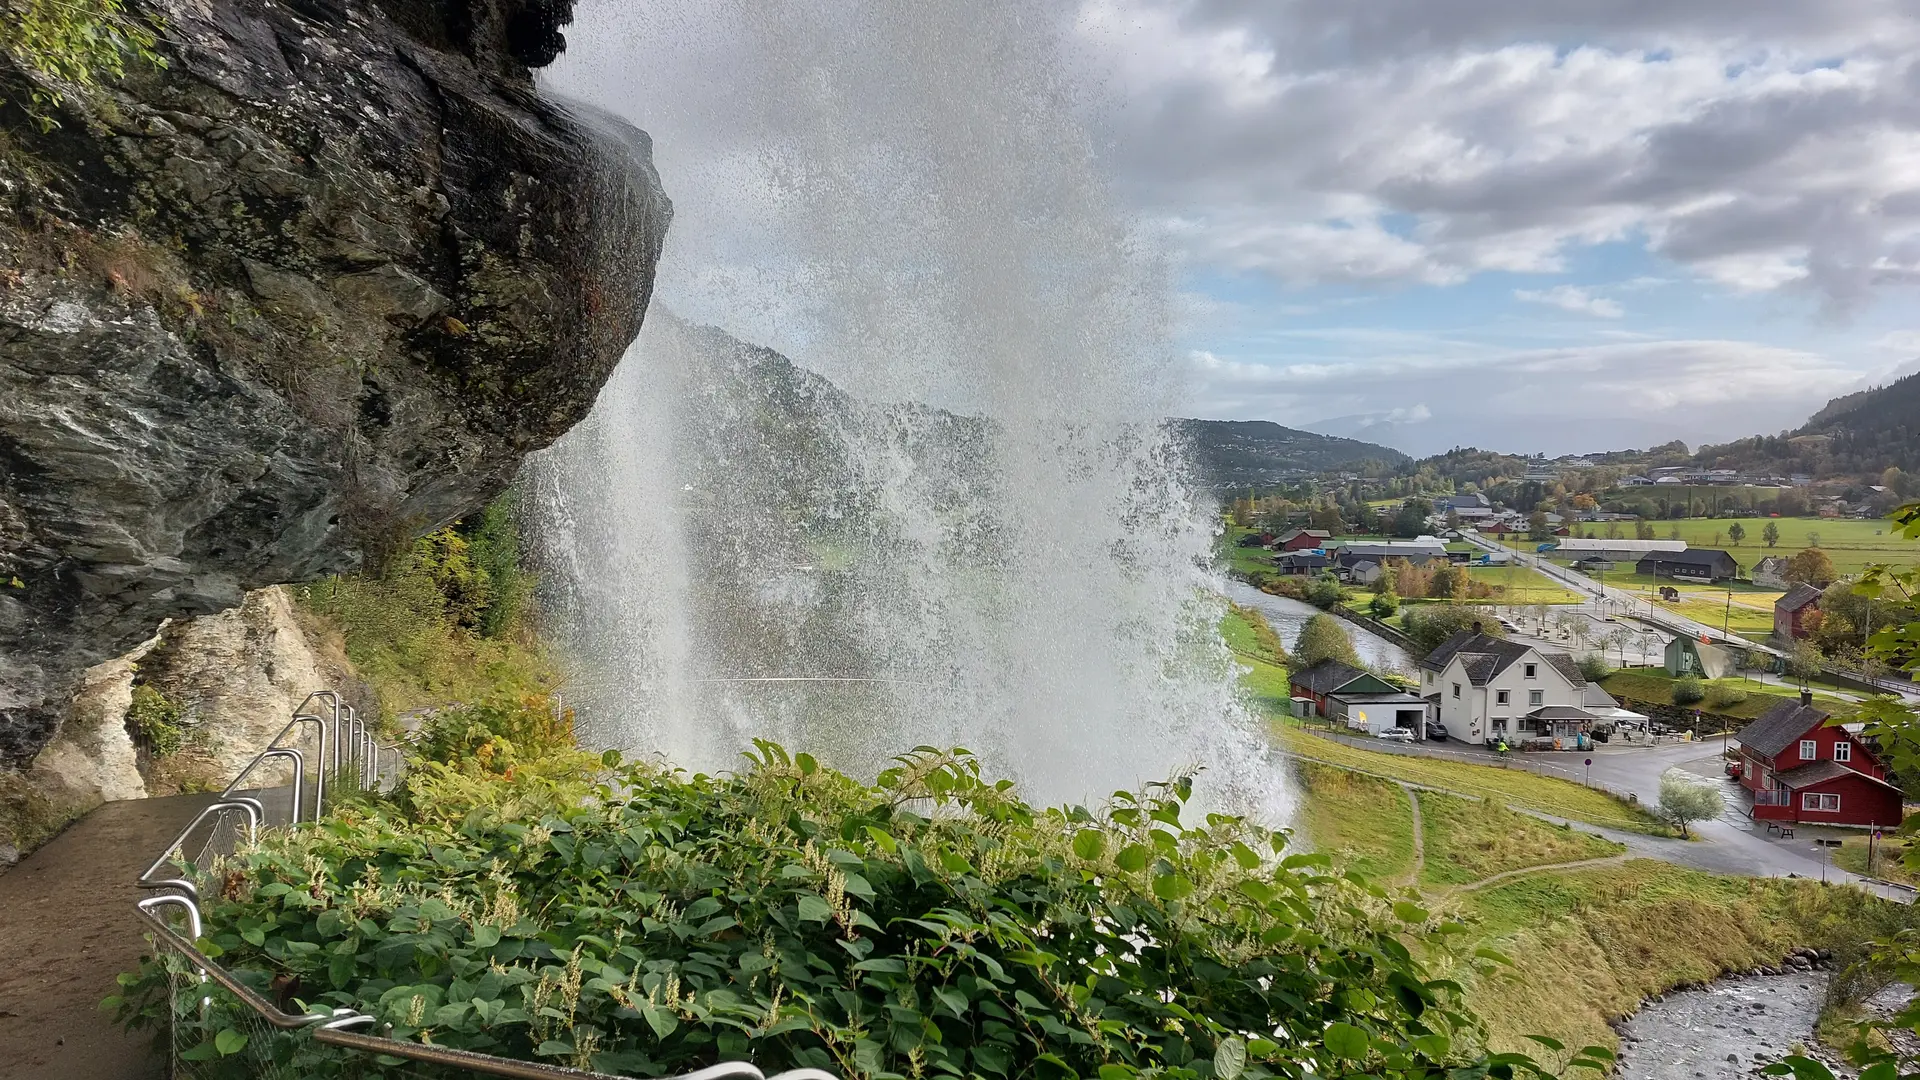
column 316, row 286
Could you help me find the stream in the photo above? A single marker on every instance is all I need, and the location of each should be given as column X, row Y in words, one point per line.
column 1288, row 616
column 1726, row 1029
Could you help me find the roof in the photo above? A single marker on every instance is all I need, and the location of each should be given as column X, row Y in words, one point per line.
column 1484, row 656
column 1599, row 544
column 1560, row 712
column 1779, row 726
column 1819, row 772
column 1596, row 698
column 1567, row 666
column 1326, row 676
column 1691, row 557
column 1798, row 597
column 1317, row 534
column 1303, row 558
column 1370, row 697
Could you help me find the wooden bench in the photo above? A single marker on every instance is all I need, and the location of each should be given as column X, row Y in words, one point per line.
column 1786, row 832
column 1772, row 827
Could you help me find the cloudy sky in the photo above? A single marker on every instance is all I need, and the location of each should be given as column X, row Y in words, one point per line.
column 1528, row 225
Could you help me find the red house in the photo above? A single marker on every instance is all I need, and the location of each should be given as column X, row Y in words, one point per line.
column 1790, row 612
column 1302, row 540
column 1800, row 769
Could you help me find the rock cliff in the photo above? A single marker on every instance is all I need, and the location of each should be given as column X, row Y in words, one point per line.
column 314, row 286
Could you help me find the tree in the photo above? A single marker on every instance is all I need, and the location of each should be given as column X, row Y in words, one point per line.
column 1673, row 533
column 1685, row 799
column 1613, row 530
column 1813, row 538
column 1411, row 519
column 1688, row 691
column 1447, row 583
column 1771, row 534
column 1327, row 518
column 1430, row 625
column 1594, row 668
column 1736, row 532
column 1812, row 566
column 1537, row 526
column 1324, row 591
column 1643, row 530
column 1384, row 604
column 1323, row 638
column 1584, row 501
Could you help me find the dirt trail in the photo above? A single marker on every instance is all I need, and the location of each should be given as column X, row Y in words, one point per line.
column 1505, row 875
column 67, row 927
column 1419, row 837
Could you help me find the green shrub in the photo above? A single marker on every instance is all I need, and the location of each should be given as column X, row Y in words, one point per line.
column 76, row 42
column 1384, row 605
column 932, row 924
column 1593, row 667
column 1325, row 591
column 157, row 721
column 1725, row 695
column 1688, row 691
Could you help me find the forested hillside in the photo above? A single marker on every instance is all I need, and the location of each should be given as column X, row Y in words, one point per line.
column 1239, row 453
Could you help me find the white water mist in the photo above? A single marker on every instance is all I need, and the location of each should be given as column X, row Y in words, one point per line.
column 973, row 531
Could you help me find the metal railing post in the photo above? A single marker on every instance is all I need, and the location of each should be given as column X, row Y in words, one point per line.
column 320, row 761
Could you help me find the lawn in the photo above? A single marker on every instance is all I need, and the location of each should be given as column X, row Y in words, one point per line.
column 1655, row 685
column 1470, row 840
column 1851, row 856
column 1363, row 823
column 1850, row 544
column 1562, row 798
column 1263, row 674
column 1245, row 560
column 1522, row 585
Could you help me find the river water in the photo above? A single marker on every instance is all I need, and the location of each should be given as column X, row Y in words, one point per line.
column 1288, row 616
column 1724, row 1030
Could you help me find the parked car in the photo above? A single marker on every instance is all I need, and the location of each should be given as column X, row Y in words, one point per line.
column 1437, row 732
column 1398, row 734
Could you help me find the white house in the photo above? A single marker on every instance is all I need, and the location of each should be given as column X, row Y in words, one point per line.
column 1489, row 689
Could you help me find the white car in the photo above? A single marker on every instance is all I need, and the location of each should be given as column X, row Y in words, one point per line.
column 1397, row 734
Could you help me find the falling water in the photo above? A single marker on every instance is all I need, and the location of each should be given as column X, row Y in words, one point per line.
column 954, row 517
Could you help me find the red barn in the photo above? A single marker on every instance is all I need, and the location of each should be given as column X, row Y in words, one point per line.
column 1790, row 612
column 1302, row 540
column 1802, row 769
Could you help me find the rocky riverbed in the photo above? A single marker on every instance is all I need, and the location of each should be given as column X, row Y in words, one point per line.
column 1728, row 1028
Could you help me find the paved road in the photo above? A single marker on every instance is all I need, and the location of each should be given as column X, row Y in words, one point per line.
column 1731, row 844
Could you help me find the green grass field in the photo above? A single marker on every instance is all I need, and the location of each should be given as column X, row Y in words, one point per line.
column 1561, row 798
column 1364, row 823
column 1520, row 586
column 1655, row 685
column 1263, row 676
column 1850, row 544
column 1470, row 840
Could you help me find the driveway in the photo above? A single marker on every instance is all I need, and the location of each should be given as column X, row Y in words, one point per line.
column 1730, row 844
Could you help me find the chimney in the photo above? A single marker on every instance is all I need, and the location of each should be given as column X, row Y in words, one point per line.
column 1476, row 627
column 1806, row 697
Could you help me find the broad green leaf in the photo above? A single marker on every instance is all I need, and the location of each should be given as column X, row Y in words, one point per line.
column 1089, row 843
column 1347, row 1041
column 1230, row 1058
column 1434, row 1045
column 814, row 909
column 1172, row 887
column 229, row 1041
column 1548, row 1041
column 1409, row 912
column 486, row 936
column 1133, row 858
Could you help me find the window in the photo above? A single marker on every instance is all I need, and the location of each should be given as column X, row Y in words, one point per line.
column 1532, row 669
column 1809, row 749
column 1501, row 697
column 1842, row 751
column 1456, row 689
column 1814, row 800
column 1536, row 698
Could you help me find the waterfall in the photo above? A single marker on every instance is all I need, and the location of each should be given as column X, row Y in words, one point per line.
column 942, row 507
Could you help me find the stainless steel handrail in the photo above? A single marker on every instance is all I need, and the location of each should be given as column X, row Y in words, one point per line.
column 353, row 747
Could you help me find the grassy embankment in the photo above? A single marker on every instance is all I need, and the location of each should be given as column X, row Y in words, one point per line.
column 1655, row 685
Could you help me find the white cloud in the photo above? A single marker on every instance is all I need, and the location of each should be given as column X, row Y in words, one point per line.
column 1574, row 299
column 1430, row 140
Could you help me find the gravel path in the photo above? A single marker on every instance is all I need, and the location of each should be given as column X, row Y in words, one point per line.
column 67, row 927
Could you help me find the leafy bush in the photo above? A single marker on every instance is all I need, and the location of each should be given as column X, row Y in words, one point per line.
column 1725, row 695
column 1430, row 625
column 932, row 924
column 1325, row 591
column 1593, row 667
column 75, row 42
column 1686, row 798
column 157, row 721
column 1688, row 691
column 1323, row 638
column 1384, row 604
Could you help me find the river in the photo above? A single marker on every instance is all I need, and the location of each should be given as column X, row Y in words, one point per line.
column 1288, row 616
column 1723, row 1030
